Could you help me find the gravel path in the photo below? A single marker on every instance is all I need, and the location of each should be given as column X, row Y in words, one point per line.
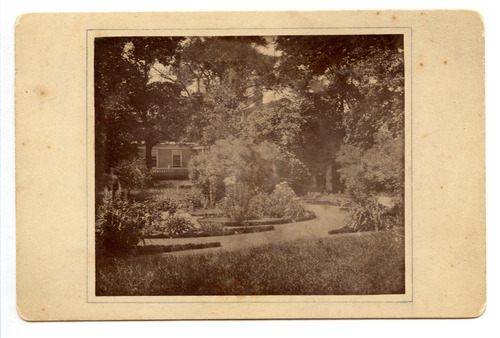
column 328, row 217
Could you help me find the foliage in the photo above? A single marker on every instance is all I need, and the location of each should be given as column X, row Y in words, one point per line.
column 212, row 228
column 372, row 263
column 132, row 173
column 163, row 204
column 171, row 199
column 281, row 203
column 120, row 223
column 366, row 215
column 176, row 225
column 133, row 100
column 284, row 203
column 169, row 225
column 225, row 76
column 339, row 200
column 329, row 91
column 236, row 206
column 368, row 174
column 190, row 199
column 351, row 85
column 377, row 170
column 236, row 166
column 370, row 214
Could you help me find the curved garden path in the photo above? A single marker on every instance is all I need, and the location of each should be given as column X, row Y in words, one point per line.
column 328, row 217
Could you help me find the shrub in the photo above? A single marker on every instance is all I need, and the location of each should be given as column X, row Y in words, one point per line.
column 282, row 202
column 165, row 205
column 171, row 199
column 285, row 203
column 236, row 204
column 177, row 225
column 379, row 169
column 212, row 228
column 369, row 214
column 260, row 206
column 256, row 167
column 132, row 173
column 190, row 199
column 373, row 171
column 120, row 224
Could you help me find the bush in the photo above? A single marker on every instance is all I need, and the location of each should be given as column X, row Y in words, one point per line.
column 190, row 199
column 256, row 167
column 165, row 205
column 120, row 223
column 132, row 173
column 284, row 203
column 376, row 170
column 236, row 205
column 212, row 228
column 280, row 204
column 370, row 172
column 177, row 225
column 369, row 215
column 171, row 199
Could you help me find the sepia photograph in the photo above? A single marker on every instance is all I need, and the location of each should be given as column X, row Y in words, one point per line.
column 264, row 165
column 249, row 165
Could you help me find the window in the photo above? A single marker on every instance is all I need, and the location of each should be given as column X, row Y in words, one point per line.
column 154, row 158
column 176, row 158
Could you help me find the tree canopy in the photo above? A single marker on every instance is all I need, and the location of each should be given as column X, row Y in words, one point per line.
column 317, row 100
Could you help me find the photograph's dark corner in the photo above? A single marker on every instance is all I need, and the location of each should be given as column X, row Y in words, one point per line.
column 249, row 165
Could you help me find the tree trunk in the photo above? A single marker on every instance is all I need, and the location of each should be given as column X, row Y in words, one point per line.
column 211, row 193
column 329, row 178
column 314, row 183
column 149, row 162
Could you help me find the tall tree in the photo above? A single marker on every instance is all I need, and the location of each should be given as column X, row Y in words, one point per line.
column 361, row 77
column 353, row 86
column 133, row 103
column 226, row 76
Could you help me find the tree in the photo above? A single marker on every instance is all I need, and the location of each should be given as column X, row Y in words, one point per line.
column 225, row 77
column 361, row 77
column 240, row 163
column 353, row 86
column 132, row 102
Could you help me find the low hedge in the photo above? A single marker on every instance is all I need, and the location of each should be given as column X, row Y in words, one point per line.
column 226, row 232
column 267, row 221
column 155, row 249
column 343, row 230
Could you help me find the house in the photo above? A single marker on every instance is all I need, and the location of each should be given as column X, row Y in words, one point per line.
column 170, row 159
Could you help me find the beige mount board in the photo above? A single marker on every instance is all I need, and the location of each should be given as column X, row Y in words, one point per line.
column 445, row 263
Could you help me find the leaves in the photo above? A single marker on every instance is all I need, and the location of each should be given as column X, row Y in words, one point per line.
column 328, row 91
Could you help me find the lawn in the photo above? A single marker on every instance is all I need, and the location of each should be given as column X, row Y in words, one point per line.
column 347, row 264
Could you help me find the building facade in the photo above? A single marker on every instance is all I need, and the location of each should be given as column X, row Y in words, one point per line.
column 170, row 160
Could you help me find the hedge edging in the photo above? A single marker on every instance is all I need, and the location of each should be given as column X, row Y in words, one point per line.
column 270, row 221
column 227, row 232
column 154, row 249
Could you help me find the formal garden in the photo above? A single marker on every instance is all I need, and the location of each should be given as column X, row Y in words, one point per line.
column 302, row 162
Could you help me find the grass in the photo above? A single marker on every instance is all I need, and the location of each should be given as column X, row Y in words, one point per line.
column 350, row 264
